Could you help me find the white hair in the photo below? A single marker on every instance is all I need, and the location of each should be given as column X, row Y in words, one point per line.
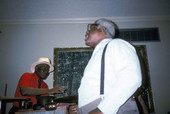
column 108, row 24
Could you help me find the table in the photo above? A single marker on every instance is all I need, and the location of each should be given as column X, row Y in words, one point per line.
column 59, row 110
column 5, row 100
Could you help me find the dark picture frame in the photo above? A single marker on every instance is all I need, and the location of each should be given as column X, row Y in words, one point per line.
column 145, row 90
column 69, row 64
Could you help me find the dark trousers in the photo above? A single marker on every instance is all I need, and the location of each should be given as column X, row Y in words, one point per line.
column 13, row 110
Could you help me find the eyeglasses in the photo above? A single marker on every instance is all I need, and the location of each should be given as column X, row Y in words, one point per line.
column 92, row 27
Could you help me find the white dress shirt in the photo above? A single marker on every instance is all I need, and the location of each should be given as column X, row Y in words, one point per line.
column 122, row 75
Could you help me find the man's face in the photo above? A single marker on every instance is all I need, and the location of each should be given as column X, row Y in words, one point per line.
column 42, row 71
column 93, row 35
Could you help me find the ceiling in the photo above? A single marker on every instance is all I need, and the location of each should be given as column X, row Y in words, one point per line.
column 66, row 9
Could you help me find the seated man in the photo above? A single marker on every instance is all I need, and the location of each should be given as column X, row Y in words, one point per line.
column 31, row 85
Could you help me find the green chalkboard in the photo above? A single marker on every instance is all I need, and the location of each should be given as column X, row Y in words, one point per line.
column 69, row 67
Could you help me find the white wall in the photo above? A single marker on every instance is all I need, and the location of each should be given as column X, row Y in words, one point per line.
column 21, row 44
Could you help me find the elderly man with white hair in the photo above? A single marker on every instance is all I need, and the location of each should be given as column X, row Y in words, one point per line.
column 122, row 76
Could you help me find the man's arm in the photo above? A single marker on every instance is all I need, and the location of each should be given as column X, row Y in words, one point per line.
column 29, row 91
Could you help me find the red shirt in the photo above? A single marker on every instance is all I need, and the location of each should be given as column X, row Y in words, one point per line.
column 28, row 80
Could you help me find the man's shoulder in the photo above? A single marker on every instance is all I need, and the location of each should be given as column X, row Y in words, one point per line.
column 120, row 44
column 28, row 75
column 119, row 40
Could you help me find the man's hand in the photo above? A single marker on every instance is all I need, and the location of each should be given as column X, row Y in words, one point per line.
column 57, row 89
column 95, row 111
column 73, row 109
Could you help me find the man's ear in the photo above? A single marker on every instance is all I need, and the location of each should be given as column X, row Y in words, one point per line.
column 103, row 29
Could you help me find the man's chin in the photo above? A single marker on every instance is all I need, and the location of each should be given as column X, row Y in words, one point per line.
column 92, row 46
column 88, row 44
